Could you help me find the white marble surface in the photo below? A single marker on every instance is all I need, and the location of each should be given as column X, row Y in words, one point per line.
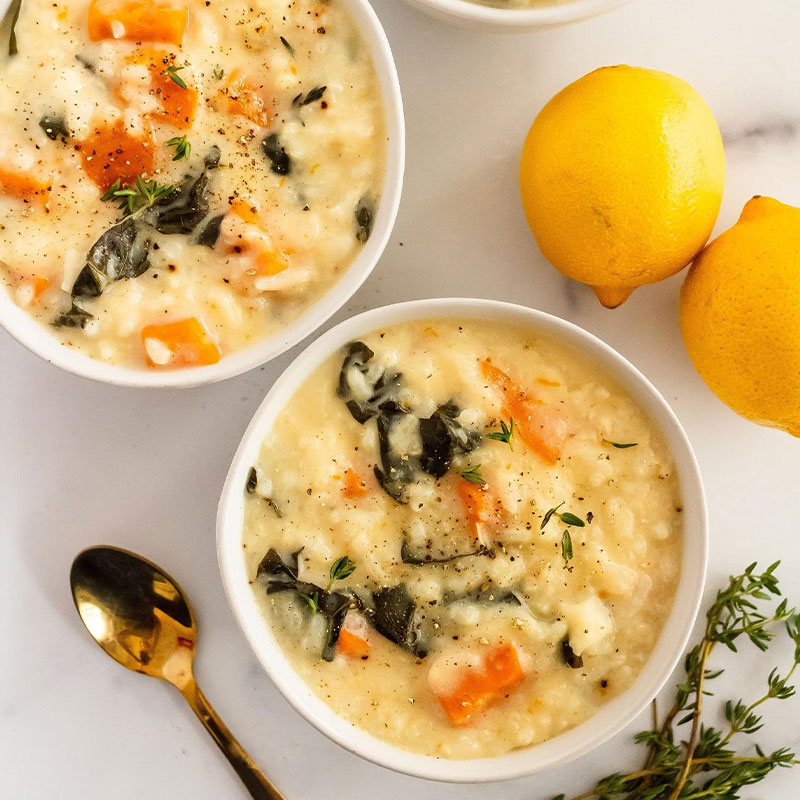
column 84, row 463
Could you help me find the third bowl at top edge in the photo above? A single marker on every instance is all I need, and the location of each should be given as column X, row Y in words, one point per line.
column 585, row 736
column 495, row 17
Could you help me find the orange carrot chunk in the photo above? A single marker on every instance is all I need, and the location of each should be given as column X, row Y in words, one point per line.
column 112, row 154
column 23, row 186
column 39, row 286
column 542, row 429
column 351, row 645
column 241, row 97
column 480, row 688
column 185, row 343
column 138, row 20
column 177, row 106
column 477, row 502
column 354, row 485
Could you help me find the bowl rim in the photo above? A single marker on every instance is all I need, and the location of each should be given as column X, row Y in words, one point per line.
column 617, row 713
column 559, row 13
column 34, row 335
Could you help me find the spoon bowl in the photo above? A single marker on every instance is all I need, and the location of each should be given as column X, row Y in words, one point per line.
column 139, row 615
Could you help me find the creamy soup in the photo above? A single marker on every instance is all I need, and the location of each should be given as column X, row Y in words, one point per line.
column 465, row 537
column 179, row 178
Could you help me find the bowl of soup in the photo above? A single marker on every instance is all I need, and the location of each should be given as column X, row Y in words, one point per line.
column 187, row 188
column 466, row 539
column 514, row 15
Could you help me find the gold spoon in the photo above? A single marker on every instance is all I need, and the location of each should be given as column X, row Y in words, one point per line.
column 139, row 616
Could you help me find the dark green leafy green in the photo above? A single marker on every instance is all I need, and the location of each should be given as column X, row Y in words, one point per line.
column 12, row 15
column 284, row 576
column 443, row 438
column 365, row 217
column 210, row 233
column 356, row 373
column 397, row 468
column 486, row 593
column 408, row 556
column 120, row 253
column 75, row 317
column 251, row 487
column 315, row 94
column 394, row 616
column 54, row 127
column 276, row 153
column 708, row 762
column 568, row 654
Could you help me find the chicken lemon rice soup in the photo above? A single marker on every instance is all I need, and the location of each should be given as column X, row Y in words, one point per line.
column 465, row 537
column 179, row 178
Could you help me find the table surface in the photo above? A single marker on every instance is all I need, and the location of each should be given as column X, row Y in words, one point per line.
column 83, row 463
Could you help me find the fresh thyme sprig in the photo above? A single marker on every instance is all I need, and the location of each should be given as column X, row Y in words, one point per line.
column 472, row 473
column 142, row 194
column 182, row 145
column 172, row 73
column 706, row 765
column 565, row 516
column 219, row 73
column 342, row 568
column 504, row 434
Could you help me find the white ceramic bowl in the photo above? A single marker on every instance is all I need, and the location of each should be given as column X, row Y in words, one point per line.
column 474, row 15
column 38, row 339
column 612, row 717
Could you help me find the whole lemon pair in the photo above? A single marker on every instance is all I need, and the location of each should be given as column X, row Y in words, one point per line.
column 622, row 176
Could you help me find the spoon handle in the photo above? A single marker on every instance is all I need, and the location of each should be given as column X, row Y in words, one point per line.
column 253, row 778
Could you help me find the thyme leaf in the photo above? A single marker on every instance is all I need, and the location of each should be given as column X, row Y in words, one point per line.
column 342, row 568
column 219, row 73
column 312, row 96
column 566, row 546
column 142, row 194
column 565, row 516
column 182, row 145
column 620, row 445
column 709, row 762
column 504, row 434
column 472, row 474
column 286, row 44
column 172, row 73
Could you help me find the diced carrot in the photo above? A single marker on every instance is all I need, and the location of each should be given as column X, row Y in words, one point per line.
column 138, row 20
column 354, row 485
column 545, row 382
column 186, row 343
column 241, row 97
column 111, row 153
column 24, row 186
column 265, row 260
column 39, row 286
column 480, row 688
column 177, row 106
column 477, row 502
column 543, row 429
column 351, row 645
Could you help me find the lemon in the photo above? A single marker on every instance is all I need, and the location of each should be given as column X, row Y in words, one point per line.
column 621, row 176
column 740, row 315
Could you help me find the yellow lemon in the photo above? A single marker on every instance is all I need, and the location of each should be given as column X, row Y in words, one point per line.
column 621, row 176
column 740, row 315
